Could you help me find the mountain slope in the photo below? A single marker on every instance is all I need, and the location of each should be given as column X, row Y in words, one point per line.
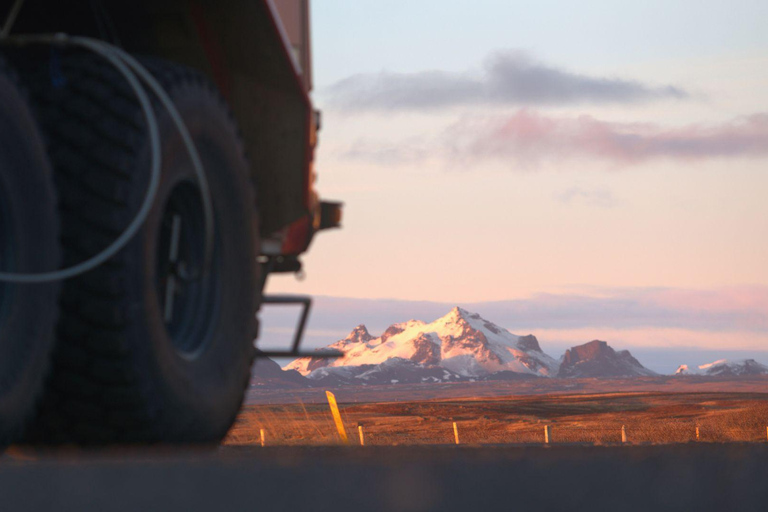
column 725, row 368
column 598, row 359
column 391, row 371
column 267, row 374
column 461, row 342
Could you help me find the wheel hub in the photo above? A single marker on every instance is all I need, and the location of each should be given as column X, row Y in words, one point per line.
column 188, row 295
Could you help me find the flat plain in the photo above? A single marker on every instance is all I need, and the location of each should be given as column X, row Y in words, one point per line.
column 501, row 464
column 650, row 411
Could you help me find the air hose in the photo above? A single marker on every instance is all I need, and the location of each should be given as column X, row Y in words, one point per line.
column 134, row 74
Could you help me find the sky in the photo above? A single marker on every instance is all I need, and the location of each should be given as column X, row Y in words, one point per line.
column 509, row 156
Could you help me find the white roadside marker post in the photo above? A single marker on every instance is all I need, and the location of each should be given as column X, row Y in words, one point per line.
column 547, row 434
column 360, row 433
column 623, row 434
column 456, row 432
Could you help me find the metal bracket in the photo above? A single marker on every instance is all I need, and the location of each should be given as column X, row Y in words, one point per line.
column 306, row 303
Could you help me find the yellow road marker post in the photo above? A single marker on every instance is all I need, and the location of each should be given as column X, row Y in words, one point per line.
column 337, row 417
column 456, row 432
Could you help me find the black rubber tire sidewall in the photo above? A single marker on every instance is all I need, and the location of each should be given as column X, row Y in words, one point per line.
column 27, row 326
column 197, row 399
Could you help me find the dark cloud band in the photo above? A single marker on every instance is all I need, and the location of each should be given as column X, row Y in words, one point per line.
column 508, row 78
column 720, row 310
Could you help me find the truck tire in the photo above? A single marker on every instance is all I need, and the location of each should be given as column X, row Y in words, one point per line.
column 28, row 244
column 128, row 369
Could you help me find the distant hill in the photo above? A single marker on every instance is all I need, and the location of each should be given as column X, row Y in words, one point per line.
column 725, row 368
column 598, row 359
column 267, row 374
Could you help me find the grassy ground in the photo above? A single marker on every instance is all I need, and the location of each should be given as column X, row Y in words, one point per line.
column 648, row 418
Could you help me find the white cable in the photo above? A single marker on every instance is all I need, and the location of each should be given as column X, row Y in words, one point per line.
column 197, row 163
column 154, row 180
column 124, row 63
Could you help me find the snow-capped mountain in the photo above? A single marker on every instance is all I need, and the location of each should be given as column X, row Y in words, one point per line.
column 725, row 368
column 460, row 342
column 598, row 359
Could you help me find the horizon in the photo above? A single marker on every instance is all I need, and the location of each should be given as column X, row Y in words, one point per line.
column 334, row 318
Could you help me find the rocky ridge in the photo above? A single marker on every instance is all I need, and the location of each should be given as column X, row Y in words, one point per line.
column 458, row 346
column 598, row 359
column 725, row 368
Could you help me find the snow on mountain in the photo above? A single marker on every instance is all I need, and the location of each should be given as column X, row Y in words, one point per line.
column 725, row 368
column 392, row 371
column 598, row 359
column 460, row 342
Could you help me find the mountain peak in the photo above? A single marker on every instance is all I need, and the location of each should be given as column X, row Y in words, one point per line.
column 598, row 359
column 460, row 341
column 359, row 334
column 595, row 349
column 587, row 351
column 529, row 342
column 458, row 314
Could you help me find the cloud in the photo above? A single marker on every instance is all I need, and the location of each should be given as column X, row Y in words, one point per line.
column 527, row 138
column 602, row 198
column 530, row 137
column 507, row 78
column 736, row 308
column 396, row 153
column 739, row 308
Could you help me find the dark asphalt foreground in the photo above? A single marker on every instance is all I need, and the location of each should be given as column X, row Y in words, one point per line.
column 700, row 477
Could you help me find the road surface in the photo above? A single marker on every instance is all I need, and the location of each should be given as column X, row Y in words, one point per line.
column 692, row 476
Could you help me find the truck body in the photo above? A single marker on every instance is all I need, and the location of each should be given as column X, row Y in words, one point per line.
column 258, row 54
column 156, row 341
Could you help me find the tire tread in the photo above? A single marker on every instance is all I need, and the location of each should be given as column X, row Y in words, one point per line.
column 94, row 128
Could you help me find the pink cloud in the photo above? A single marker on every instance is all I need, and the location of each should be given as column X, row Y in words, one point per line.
column 529, row 137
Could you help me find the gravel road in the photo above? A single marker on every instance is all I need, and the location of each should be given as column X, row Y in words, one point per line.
column 699, row 477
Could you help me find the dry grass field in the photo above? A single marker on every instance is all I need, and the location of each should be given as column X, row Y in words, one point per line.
column 591, row 418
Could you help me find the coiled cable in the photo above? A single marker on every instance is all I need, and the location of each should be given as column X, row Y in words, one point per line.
column 134, row 73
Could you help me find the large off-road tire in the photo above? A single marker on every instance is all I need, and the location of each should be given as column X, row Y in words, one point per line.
column 28, row 244
column 126, row 369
